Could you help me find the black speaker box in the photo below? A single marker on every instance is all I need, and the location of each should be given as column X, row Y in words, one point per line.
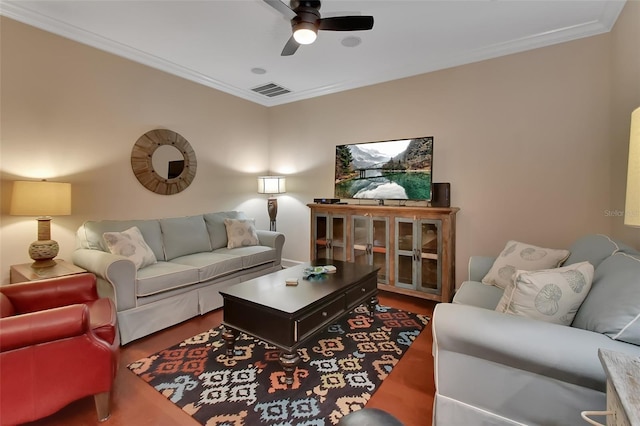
column 441, row 196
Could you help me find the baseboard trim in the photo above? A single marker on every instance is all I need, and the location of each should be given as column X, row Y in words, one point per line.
column 288, row 263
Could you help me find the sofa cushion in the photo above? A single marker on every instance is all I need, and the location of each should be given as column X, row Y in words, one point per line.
column 164, row 276
column 90, row 234
column 211, row 265
column 563, row 353
column 521, row 256
column 613, row 304
column 216, row 228
column 130, row 243
column 241, row 233
column 252, row 255
column 184, row 235
column 593, row 249
column 551, row 295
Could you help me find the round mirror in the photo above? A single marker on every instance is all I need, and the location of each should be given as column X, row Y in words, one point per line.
column 167, row 161
column 163, row 162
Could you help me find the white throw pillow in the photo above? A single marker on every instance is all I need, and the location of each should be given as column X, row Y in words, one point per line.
column 241, row 232
column 521, row 256
column 551, row 295
column 131, row 244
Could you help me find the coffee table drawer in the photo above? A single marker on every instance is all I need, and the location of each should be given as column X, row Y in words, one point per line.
column 356, row 294
column 318, row 317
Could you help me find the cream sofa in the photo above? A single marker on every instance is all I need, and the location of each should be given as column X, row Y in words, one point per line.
column 193, row 265
column 494, row 368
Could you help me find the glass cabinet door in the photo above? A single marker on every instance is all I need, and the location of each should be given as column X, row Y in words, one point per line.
column 329, row 238
column 405, row 253
column 338, row 241
column 418, row 260
column 380, row 247
column 360, row 238
column 321, row 237
column 430, row 257
column 370, row 243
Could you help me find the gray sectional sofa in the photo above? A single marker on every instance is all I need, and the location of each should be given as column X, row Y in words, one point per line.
column 192, row 265
column 494, row 368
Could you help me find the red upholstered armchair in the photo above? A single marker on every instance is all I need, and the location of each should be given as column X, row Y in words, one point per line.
column 58, row 343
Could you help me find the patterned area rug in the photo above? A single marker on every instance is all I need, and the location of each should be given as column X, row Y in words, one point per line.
column 340, row 370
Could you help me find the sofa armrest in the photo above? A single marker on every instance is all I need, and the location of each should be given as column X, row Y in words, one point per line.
column 272, row 239
column 52, row 293
column 561, row 352
column 475, row 293
column 479, row 266
column 34, row 328
column 118, row 271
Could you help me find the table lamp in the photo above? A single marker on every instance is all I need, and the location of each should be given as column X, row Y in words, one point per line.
column 632, row 206
column 43, row 199
column 271, row 185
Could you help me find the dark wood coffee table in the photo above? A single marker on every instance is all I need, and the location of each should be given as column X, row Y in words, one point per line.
column 287, row 316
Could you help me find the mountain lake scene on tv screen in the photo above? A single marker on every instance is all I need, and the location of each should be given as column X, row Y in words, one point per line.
column 393, row 170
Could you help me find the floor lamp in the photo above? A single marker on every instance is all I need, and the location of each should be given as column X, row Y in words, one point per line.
column 43, row 199
column 271, row 185
column 632, row 203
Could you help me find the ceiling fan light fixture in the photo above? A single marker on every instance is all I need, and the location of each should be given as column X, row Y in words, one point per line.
column 305, row 33
column 306, row 21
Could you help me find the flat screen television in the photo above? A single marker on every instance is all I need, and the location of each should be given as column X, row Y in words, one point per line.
column 385, row 170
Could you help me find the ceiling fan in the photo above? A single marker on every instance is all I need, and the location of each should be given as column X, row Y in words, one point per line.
column 306, row 21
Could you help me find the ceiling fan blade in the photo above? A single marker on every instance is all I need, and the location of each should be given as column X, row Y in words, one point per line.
column 282, row 8
column 290, row 48
column 346, row 23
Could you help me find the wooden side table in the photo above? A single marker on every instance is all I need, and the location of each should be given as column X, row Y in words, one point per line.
column 24, row 272
column 623, row 390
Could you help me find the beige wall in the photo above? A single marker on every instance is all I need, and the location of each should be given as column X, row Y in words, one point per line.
column 523, row 139
column 625, row 97
column 534, row 144
column 531, row 142
column 72, row 113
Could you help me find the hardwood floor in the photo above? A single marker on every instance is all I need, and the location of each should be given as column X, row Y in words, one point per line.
column 407, row 393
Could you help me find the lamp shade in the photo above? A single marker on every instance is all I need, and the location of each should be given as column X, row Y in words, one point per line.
column 305, row 33
column 40, row 198
column 271, row 185
column 632, row 207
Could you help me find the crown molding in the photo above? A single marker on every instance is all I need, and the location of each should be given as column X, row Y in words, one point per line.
column 549, row 38
column 609, row 16
column 16, row 12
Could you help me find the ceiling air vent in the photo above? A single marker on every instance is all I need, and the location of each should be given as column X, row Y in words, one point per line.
column 271, row 90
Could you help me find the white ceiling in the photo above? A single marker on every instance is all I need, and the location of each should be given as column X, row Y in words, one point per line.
column 217, row 43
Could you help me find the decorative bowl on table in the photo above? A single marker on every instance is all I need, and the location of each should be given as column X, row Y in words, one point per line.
column 317, row 271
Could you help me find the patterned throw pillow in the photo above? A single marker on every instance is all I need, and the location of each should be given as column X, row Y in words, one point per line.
column 551, row 295
column 521, row 256
column 241, row 232
column 131, row 244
